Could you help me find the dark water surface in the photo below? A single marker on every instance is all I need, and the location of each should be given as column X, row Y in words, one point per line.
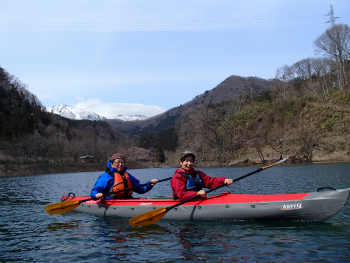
column 29, row 234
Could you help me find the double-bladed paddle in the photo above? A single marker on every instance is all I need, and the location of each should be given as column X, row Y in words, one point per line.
column 66, row 206
column 153, row 216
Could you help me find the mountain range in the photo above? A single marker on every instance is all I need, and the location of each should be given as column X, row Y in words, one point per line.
column 79, row 114
column 230, row 89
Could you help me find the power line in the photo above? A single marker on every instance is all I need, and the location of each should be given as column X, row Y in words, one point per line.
column 157, row 26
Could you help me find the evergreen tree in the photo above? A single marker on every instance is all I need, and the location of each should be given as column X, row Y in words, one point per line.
column 160, row 157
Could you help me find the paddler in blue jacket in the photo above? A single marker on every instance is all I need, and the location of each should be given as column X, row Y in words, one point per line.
column 116, row 178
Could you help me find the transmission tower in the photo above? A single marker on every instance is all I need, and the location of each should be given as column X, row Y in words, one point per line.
column 331, row 17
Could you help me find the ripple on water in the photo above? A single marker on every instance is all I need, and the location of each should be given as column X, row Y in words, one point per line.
column 29, row 234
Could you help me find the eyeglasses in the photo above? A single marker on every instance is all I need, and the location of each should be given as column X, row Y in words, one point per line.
column 119, row 162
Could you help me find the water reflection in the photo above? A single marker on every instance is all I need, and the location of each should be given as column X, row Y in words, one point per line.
column 29, row 234
column 62, row 226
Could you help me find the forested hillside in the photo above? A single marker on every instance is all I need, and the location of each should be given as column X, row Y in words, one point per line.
column 21, row 112
column 30, row 135
column 303, row 114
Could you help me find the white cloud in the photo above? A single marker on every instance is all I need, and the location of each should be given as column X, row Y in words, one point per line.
column 153, row 52
column 111, row 110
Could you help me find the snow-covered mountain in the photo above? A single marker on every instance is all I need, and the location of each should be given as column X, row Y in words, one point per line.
column 78, row 114
column 74, row 114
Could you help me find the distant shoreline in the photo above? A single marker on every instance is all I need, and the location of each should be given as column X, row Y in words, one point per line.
column 38, row 169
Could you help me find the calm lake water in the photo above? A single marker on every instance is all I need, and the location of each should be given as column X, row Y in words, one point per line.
column 29, row 234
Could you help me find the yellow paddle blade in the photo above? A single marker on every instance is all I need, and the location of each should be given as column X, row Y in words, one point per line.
column 62, row 207
column 148, row 218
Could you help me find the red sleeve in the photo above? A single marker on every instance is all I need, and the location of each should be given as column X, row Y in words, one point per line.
column 178, row 185
column 210, row 182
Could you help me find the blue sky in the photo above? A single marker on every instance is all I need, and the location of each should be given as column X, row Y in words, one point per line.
column 144, row 57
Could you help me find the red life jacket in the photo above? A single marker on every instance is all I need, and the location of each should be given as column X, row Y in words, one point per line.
column 122, row 181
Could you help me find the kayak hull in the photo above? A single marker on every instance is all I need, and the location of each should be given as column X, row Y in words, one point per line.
column 314, row 206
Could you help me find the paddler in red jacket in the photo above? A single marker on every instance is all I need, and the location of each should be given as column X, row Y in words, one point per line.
column 188, row 182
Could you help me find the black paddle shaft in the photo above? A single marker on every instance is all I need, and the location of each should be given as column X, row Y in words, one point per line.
column 127, row 189
column 137, row 186
column 211, row 190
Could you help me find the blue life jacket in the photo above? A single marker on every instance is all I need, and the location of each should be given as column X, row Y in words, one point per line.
column 193, row 184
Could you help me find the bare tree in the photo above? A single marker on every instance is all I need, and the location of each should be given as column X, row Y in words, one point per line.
column 303, row 68
column 283, row 87
column 258, row 143
column 75, row 149
column 31, row 146
column 322, row 67
column 210, row 121
column 308, row 140
column 202, row 132
column 335, row 44
column 276, row 139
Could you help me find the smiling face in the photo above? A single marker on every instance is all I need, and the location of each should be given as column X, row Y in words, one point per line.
column 118, row 164
column 187, row 163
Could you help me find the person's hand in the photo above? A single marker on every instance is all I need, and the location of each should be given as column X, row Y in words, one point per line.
column 201, row 193
column 228, row 181
column 99, row 195
column 154, row 181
